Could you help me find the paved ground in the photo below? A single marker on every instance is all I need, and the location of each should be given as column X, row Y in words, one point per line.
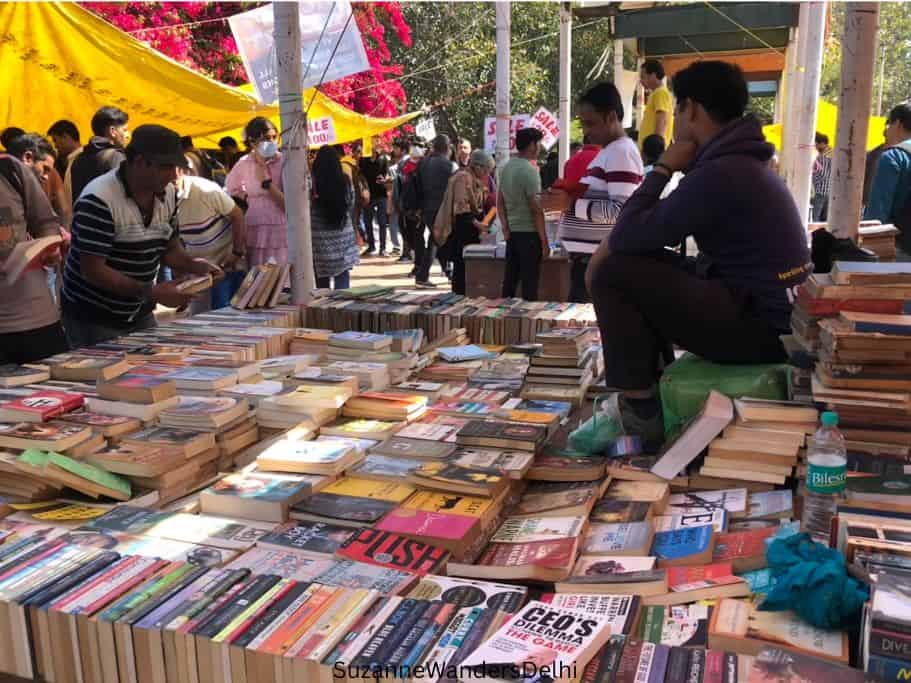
column 387, row 271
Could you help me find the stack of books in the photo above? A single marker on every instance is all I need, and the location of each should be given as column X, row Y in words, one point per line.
column 880, row 239
column 763, row 445
column 394, row 406
column 310, row 405
column 310, row 341
column 262, row 287
column 569, row 361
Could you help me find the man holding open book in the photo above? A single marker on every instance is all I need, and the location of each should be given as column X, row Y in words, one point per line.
column 731, row 303
column 124, row 229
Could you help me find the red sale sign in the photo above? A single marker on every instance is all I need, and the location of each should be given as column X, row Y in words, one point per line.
column 548, row 124
column 517, row 122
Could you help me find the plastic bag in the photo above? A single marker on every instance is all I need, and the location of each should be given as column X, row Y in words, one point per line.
column 595, row 435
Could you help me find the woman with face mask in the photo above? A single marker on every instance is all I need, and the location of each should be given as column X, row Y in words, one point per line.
column 257, row 178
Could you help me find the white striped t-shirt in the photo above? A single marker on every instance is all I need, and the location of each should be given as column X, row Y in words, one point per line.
column 612, row 177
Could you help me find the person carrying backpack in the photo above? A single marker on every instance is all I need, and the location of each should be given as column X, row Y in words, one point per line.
column 890, row 196
column 408, row 199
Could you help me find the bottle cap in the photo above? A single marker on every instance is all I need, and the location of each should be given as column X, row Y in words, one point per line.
column 829, row 419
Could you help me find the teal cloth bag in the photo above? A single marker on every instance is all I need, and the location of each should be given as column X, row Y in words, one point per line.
column 595, row 435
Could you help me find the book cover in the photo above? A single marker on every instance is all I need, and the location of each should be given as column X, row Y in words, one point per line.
column 612, row 511
column 618, row 611
column 506, row 431
column 427, row 431
column 607, row 539
column 559, row 641
column 717, row 518
column 739, row 544
column 467, row 593
column 387, row 549
column 451, row 503
column 421, row 523
column 769, row 504
column 459, row 354
column 352, row 574
column 684, row 579
column 774, row 665
column 536, row 529
column 264, row 486
column 354, row 508
column 289, row 455
column 384, row 467
column 41, row 406
column 392, row 492
column 733, row 501
column 681, row 543
column 590, row 568
column 313, row 537
column 284, row 563
column 556, row 554
column 446, row 476
column 426, row 449
column 95, row 475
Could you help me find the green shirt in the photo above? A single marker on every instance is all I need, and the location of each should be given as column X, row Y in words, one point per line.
column 519, row 181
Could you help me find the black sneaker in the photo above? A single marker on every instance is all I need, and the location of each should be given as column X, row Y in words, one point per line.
column 650, row 430
column 425, row 284
column 827, row 249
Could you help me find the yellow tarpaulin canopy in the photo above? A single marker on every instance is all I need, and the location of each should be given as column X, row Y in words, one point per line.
column 58, row 60
column 826, row 122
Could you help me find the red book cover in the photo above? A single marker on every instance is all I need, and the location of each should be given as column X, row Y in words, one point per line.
column 714, row 667
column 548, row 554
column 429, row 524
column 736, row 544
column 827, row 307
column 387, row 549
column 693, row 578
column 46, row 404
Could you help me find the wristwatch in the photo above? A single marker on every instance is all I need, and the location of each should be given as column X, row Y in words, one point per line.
column 267, row 183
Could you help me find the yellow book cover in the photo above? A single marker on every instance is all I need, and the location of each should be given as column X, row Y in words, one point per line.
column 452, row 503
column 530, row 417
column 367, row 488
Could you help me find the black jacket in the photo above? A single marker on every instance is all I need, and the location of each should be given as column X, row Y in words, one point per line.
column 98, row 157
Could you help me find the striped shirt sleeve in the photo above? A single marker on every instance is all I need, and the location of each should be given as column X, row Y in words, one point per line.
column 93, row 226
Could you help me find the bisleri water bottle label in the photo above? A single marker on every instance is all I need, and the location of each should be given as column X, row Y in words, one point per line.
column 826, row 479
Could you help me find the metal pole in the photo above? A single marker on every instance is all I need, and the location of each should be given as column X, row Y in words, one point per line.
column 294, row 148
column 503, row 83
column 804, row 152
column 858, row 64
column 566, row 60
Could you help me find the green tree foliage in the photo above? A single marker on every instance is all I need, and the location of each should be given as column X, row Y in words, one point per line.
column 454, row 53
column 894, row 36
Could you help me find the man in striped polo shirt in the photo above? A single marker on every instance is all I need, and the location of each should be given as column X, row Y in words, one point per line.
column 124, row 229
column 612, row 176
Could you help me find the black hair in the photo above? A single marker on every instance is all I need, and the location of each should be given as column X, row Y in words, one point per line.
column 822, row 139
column 35, row 143
column 64, row 127
column 256, row 128
column 604, row 98
column 653, row 66
column 902, row 114
column 526, row 137
column 227, row 141
column 574, row 147
column 340, row 150
column 186, row 143
column 105, row 118
column 10, row 134
column 330, row 184
column 652, row 148
column 441, row 143
column 718, row 86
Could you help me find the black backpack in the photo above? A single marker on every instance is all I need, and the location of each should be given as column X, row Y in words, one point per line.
column 410, row 195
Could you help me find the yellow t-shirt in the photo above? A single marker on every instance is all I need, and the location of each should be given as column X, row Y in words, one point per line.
column 660, row 100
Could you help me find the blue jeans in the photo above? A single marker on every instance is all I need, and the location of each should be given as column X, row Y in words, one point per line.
column 377, row 208
column 224, row 290
column 340, row 281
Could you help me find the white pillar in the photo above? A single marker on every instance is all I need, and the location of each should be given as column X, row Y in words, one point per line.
column 796, row 96
column 858, row 65
column 503, row 82
column 787, row 105
column 566, row 61
column 294, row 148
column 813, row 33
column 640, row 93
column 882, row 78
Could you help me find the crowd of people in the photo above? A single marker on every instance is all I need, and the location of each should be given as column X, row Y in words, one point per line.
column 136, row 209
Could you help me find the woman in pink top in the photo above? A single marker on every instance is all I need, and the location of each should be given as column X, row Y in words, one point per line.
column 257, row 176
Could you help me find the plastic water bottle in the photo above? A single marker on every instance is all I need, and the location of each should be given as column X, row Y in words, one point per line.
column 826, row 476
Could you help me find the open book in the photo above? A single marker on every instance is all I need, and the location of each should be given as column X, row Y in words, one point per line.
column 28, row 254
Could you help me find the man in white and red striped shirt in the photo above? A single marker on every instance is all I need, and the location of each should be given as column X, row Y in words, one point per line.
column 612, row 176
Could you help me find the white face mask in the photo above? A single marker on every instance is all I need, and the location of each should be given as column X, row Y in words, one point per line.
column 267, row 149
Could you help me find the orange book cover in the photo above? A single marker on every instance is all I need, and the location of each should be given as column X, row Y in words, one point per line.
column 297, row 624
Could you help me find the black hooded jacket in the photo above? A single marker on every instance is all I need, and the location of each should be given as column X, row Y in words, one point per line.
column 98, row 157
